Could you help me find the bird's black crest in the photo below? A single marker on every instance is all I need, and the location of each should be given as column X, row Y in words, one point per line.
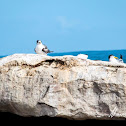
column 110, row 56
column 38, row 41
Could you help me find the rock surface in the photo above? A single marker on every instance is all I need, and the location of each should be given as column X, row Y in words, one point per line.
column 68, row 87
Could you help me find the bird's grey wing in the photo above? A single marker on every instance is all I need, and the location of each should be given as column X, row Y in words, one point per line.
column 121, row 58
column 34, row 49
column 120, row 61
column 45, row 47
column 45, row 50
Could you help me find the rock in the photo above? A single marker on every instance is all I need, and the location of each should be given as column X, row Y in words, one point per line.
column 64, row 86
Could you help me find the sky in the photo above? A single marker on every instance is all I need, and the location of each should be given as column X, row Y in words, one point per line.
column 62, row 25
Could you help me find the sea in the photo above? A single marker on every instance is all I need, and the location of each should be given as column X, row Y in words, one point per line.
column 93, row 55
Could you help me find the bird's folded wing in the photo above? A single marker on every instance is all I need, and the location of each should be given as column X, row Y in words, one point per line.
column 45, row 47
column 34, row 49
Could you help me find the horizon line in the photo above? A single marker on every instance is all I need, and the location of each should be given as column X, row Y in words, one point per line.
column 69, row 51
column 90, row 50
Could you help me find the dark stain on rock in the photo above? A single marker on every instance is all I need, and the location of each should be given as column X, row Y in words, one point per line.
column 56, row 61
column 104, row 108
column 52, row 76
column 47, row 62
column 96, row 88
column 117, row 93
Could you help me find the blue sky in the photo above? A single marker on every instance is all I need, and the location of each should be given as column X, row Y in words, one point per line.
column 63, row 25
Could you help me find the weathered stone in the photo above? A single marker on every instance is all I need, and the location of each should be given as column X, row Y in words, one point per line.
column 36, row 85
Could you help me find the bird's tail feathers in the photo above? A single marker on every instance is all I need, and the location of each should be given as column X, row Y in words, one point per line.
column 51, row 51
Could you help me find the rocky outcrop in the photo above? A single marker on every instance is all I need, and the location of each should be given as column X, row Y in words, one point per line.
column 68, row 87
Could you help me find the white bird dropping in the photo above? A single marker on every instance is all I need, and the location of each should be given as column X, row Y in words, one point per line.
column 82, row 56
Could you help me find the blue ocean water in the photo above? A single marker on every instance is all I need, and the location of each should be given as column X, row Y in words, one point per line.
column 93, row 55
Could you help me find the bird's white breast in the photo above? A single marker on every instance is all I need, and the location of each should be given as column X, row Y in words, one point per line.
column 39, row 49
column 112, row 59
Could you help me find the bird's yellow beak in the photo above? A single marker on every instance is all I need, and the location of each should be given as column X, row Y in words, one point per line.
column 116, row 57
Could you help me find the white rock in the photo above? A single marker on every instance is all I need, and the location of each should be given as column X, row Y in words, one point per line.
column 64, row 86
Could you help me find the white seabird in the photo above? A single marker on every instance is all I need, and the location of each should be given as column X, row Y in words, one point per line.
column 121, row 59
column 41, row 49
column 82, row 56
column 115, row 59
